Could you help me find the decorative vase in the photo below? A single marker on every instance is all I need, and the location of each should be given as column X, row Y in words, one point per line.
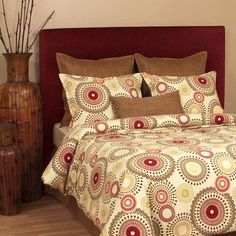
column 10, row 176
column 20, row 104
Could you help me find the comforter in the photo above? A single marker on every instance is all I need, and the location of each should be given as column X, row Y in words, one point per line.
column 159, row 175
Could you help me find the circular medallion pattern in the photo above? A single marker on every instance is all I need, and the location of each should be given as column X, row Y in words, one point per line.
column 181, row 226
column 214, row 106
column 216, row 140
column 101, row 127
column 204, row 84
column 152, row 166
column 133, row 92
column 167, row 213
column 97, row 178
column 120, row 153
column 92, row 97
column 161, row 88
column 115, row 188
column 183, row 119
column 130, row 183
column 218, row 119
column 185, row 193
column 128, row 202
column 160, row 194
column 63, row 157
column 191, row 106
column 212, row 212
column 222, row 184
column 138, row 123
column 198, row 97
column 193, row 170
column 136, row 223
column 128, row 82
column 106, row 194
column 205, row 153
column 232, row 150
column 224, row 164
column 82, row 178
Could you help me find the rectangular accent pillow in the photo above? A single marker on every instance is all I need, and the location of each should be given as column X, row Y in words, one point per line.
column 106, row 67
column 147, row 106
column 191, row 65
column 197, row 93
column 89, row 97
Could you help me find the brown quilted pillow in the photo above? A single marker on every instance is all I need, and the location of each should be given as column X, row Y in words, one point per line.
column 107, row 67
column 147, row 106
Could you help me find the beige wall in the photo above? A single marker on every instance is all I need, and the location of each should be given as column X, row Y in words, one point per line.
column 78, row 13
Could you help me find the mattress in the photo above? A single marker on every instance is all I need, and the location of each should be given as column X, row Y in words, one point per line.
column 58, row 134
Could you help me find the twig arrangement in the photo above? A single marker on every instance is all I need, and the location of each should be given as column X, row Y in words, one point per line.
column 23, row 44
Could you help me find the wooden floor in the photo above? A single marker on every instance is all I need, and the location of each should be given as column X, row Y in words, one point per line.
column 46, row 217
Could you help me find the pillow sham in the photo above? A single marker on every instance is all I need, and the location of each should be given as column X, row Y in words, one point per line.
column 97, row 68
column 89, row 97
column 197, row 93
column 190, row 65
column 148, row 106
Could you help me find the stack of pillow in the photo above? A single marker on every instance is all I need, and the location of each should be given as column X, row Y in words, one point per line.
column 109, row 88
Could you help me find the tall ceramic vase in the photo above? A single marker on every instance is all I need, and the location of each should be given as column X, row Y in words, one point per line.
column 20, row 104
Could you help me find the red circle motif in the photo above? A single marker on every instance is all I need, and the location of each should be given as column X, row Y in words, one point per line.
column 169, row 217
column 161, row 196
column 132, row 231
column 96, row 178
column 128, row 202
column 222, row 183
column 68, row 157
column 138, row 124
column 219, row 119
column 202, row 80
column 212, row 212
column 93, row 95
column 129, row 82
column 161, row 87
column 150, row 162
column 198, row 97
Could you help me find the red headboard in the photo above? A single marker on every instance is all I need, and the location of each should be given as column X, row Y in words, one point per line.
column 95, row 43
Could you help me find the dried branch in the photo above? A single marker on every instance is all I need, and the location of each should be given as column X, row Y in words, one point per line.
column 24, row 18
column 46, row 21
column 17, row 32
column 3, row 41
column 28, row 15
column 23, row 27
column 20, row 25
column 29, row 24
column 6, row 25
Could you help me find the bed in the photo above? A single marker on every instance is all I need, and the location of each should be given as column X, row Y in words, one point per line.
column 173, row 162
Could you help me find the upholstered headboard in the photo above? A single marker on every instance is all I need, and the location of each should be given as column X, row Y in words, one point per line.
column 96, row 43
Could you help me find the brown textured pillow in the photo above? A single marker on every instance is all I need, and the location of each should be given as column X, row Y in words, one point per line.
column 147, row 106
column 191, row 65
column 106, row 67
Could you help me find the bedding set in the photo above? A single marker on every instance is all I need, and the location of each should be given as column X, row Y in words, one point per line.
column 158, row 165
